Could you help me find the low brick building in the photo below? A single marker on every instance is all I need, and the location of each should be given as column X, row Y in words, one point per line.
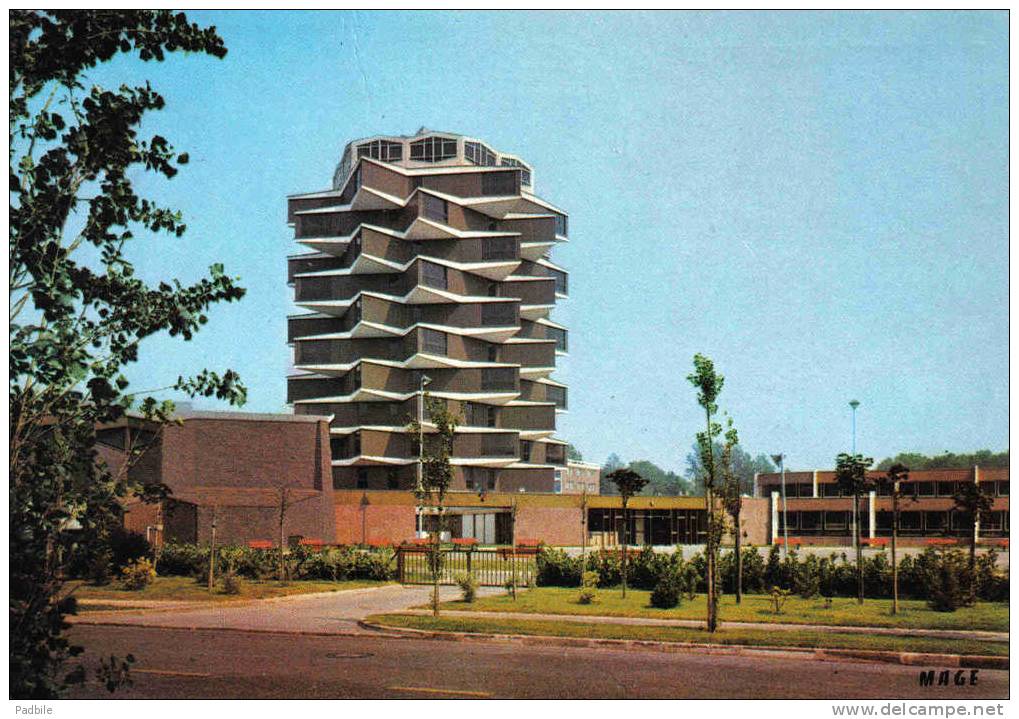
column 231, row 464
column 819, row 514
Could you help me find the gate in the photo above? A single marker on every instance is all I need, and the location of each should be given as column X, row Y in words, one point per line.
column 491, row 567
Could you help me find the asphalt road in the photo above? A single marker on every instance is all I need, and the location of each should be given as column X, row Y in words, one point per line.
column 178, row 664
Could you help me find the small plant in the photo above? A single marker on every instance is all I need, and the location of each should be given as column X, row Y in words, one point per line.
column 668, row 591
column 137, row 575
column 510, row 587
column 468, row 586
column 948, row 578
column 231, row 583
column 827, row 603
column 779, row 597
column 588, row 586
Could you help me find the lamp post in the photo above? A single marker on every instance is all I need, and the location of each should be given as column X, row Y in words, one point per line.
column 779, row 459
column 856, row 514
column 421, row 447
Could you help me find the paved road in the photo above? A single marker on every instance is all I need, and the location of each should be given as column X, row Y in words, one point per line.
column 177, row 664
column 335, row 612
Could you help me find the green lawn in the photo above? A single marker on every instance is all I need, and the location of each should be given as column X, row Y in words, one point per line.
column 755, row 608
column 725, row 635
column 186, row 589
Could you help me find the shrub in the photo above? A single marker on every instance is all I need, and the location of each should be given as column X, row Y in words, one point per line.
column 137, row 575
column 947, row 582
column 779, row 597
column 668, row 591
column 231, row 583
column 468, row 586
column 99, row 568
column 807, row 577
column 556, row 569
column 127, row 546
column 587, row 595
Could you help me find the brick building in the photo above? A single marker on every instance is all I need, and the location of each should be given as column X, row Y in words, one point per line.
column 231, row 463
column 819, row 514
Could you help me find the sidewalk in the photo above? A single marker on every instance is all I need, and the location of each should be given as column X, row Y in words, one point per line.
column 697, row 624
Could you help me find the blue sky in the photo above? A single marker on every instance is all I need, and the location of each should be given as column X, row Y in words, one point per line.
column 817, row 201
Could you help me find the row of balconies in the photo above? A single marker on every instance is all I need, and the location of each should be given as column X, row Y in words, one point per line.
column 426, row 274
column 539, row 479
column 404, row 445
column 390, row 379
column 400, row 413
column 422, row 341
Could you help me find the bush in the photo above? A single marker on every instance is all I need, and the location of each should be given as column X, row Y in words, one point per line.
column 99, row 569
column 137, row 575
column 948, row 582
column 231, row 583
column 556, row 569
column 468, row 586
column 779, row 597
column 668, row 591
column 127, row 546
column 587, row 595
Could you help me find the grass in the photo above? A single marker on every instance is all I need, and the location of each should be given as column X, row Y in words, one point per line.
column 755, row 608
column 186, row 589
column 725, row 635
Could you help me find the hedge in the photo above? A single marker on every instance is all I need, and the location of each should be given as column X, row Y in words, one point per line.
column 808, row 575
column 334, row 564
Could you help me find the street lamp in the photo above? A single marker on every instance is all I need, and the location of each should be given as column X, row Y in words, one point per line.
column 425, row 379
column 779, row 459
column 856, row 516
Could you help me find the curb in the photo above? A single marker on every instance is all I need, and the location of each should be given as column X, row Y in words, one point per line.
column 889, row 657
column 382, row 631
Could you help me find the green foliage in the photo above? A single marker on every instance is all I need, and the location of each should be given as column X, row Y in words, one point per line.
column 851, row 474
column 628, row 483
column 468, row 586
column 779, row 597
column 669, row 589
column 587, row 595
column 947, row 578
column 78, row 311
column 981, row 458
column 137, row 575
column 744, row 467
column 333, row 564
column 230, row 583
column 591, row 579
column 573, row 454
column 127, row 546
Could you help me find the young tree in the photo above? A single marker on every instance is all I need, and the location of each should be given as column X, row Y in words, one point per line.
column 436, row 476
column 732, row 501
column 891, row 482
column 628, row 483
column 284, row 501
column 78, row 312
column 851, row 477
column 709, row 384
column 974, row 505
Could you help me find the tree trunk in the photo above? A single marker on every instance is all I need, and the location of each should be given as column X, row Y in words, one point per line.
column 282, row 561
column 710, row 565
column 212, row 552
column 513, row 553
column 436, row 557
column 623, row 548
column 859, row 550
column 895, row 564
column 739, row 564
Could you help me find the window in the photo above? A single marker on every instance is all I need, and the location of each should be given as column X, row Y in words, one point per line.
column 493, row 353
column 794, row 519
column 433, row 342
column 362, row 479
column 434, row 208
column 433, row 149
column 433, row 275
column 1003, row 488
column 556, row 394
column 479, row 154
column 561, row 225
column 810, row 521
column 806, row 490
column 561, row 281
column 790, row 490
column 557, row 484
column 113, row 437
column 392, row 479
column 554, row 333
column 555, row 454
column 935, row 521
column 498, row 378
column 925, row 489
column 356, row 179
column 525, row 450
column 498, row 314
column 946, row 489
column 909, row 521
column 383, row 150
column 835, row 520
column 830, row 490
column 499, row 248
column 498, row 184
column 525, row 171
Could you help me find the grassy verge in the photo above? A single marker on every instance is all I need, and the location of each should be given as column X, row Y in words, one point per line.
column 726, row 635
column 185, row 589
column 754, row 608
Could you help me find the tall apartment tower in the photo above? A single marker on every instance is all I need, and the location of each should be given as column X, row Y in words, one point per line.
column 429, row 263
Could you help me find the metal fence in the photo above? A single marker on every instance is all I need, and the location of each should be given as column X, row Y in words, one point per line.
column 491, row 567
